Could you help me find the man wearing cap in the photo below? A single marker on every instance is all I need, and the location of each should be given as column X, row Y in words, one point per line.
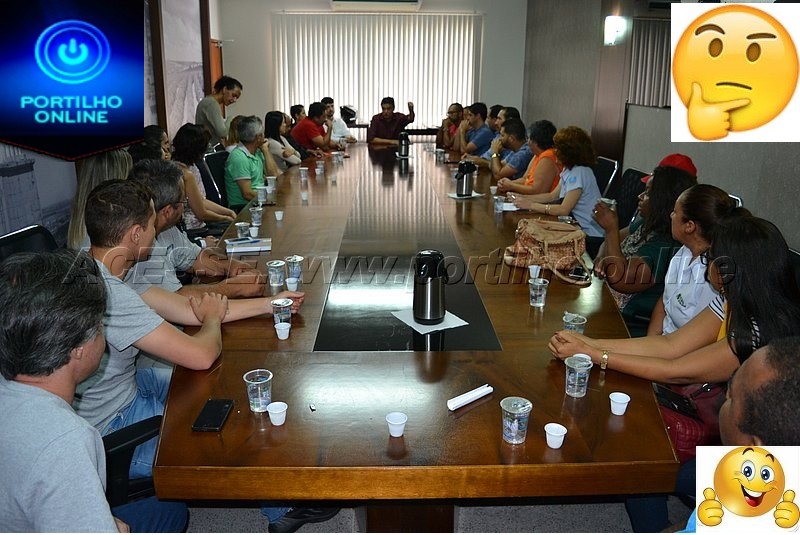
column 474, row 135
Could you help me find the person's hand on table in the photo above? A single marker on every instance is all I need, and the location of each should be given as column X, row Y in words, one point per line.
column 523, row 202
column 564, row 344
column 504, row 184
column 296, row 297
column 210, row 305
column 605, row 216
column 211, row 241
column 247, row 283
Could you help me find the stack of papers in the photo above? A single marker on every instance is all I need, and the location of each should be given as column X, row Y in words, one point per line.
column 253, row 245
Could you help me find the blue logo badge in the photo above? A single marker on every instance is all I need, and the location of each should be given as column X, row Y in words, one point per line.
column 72, row 52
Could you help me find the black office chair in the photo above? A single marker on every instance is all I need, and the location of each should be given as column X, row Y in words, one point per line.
column 626, row 192
column 216, row 165
column 119, row 447
column 794, row 257
column 34, row 238
column 604, row 171
column 212, row 192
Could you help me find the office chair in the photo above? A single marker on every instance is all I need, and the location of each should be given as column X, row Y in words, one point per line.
column 34, row 238
column 737, row 200
column 626, row 192
column 605, row 169
column 216, row 165
column 119, row 447
column 212, row 192
column 794, row 258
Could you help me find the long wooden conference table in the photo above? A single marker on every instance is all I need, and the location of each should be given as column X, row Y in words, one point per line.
column 348, row 362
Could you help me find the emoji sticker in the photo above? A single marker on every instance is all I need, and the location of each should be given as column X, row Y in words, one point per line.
column 749, row 481
column 735, row 68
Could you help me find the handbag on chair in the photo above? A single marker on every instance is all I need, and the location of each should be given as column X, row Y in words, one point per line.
column 691, row 415
column 553, row 245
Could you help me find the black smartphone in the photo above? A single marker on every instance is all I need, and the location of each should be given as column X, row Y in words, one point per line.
column 578, row 273
column 213, row 415
column 672, row 400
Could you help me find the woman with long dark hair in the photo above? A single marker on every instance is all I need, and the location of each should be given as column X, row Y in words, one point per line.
column 634, row 261
column 275, row 130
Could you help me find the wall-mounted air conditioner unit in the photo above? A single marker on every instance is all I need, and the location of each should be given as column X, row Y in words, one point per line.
column 376, row 5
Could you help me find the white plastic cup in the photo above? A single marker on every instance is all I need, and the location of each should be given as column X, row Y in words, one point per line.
column 270, row 190
column 493, row 190
column 619, row 402
column 397, row 423
column 538, row 292
column 242, row 229
column 283, row 330
column 254, row 231
column 255, row 215
column 303, row 173
column 277, row 412
column 555, row 435
column 272, row 181
column 516, row 412
column 259, row 389
column 499, row 201
column 261, row 191
column 578, row 367
column 291, row 284
column 278, row 215
column 574, row 322
column 304, row 195
column 534, row 271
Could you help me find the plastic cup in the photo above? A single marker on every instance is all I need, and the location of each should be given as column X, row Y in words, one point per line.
column 261, row 191
column 282, row 310
column 255, row 215
column 574, row 322
column 270, row 190
column 304, row 195
column 516, row 412
column 254, row 231
column 283, row 330
column 291, row 283
column 303, row 173
column 259, row 389
column 242, row 229
column 578, row 368
column 397, row 423
column 498, row 204
column 272, row 181
column 493, row 190
column 278, row 215
column 555, row 435
column 294, row 266
column 534, row 271
column 320, row 168
column 538, row 292
column 619, row 402
column 277, row 412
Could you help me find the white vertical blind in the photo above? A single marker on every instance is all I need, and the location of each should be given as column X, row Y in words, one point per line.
column 650, row 63
column 431, row 60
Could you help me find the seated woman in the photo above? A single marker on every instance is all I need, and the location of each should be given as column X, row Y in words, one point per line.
column 157, row 136
column 635, row 266
column 543, row 172
column 578, row 192
column 274, row 130
column 686, row 291
column 758, row 302
column 190, row 143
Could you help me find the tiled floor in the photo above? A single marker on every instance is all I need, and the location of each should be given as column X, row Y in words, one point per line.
column 573, row 517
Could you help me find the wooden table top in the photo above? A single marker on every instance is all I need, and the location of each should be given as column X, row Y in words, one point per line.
column 341, row 449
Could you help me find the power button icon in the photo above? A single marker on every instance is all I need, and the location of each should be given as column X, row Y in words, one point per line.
column 72, row 52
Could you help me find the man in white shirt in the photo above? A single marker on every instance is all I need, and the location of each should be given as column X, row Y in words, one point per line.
column 341, row 134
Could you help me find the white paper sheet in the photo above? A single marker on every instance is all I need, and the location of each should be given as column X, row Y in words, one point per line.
column 450, row 321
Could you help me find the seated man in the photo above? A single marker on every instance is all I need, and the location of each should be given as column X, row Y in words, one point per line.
column 120, row 220
column 309, row 132
column 53, row 461
column 515, row 162
column 173, row 251
column 445, row 136
column 494, row 121
column 341, row 134
column 474, row 135
column 385, row 127
column 544, row 170
column 244, row 168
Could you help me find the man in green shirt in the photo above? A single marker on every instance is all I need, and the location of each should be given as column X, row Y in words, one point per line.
column 244, row 168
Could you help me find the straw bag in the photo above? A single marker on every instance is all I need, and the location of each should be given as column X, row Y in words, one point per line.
column 551, row 244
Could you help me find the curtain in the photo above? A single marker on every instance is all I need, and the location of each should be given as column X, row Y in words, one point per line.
column 429, row 59
column 650, row 63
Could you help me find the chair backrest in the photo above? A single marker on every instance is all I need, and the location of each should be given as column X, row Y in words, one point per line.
column 216, row 164
column 35, row 238
column 737, row 200
column 794, row 257
column 604, row 171
column 212, row 192
column 626, row 192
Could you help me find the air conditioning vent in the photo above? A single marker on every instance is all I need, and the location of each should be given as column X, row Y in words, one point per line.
column 376, row 5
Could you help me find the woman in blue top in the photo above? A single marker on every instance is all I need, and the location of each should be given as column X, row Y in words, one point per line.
column 578, row 192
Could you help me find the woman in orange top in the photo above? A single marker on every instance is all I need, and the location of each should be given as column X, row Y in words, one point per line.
column 544, row 171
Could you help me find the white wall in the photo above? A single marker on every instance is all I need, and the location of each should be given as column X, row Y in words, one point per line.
column 249, row 57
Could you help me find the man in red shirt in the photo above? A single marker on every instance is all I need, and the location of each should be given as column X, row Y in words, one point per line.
column 310, row 133
column 385, row 127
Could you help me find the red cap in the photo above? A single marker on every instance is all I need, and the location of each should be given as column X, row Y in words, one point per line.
column 680, row 161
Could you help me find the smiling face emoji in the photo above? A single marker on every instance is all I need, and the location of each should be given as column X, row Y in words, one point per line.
column 749, row 481
column 738, row 52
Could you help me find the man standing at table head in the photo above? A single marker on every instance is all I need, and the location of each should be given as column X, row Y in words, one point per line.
column 310, row 133
column 173, row 251
column 385, row 127
column 341, row 134
column 474, row 136
column 53, row 461
column 244, row 168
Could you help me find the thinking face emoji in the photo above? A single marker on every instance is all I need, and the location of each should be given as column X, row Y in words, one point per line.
column 735, row 68
column 749, row 481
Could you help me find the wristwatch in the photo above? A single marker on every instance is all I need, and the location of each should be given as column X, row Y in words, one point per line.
column 604, row 360
column 494, row 155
